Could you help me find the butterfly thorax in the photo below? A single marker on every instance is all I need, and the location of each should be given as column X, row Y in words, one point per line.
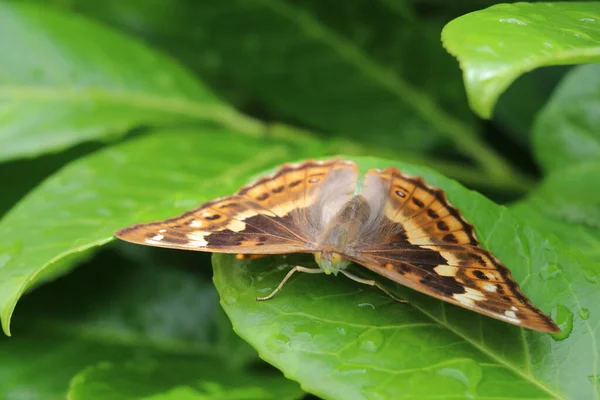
column 341, row 234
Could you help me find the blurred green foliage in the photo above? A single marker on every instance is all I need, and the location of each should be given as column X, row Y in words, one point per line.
column 118, row 112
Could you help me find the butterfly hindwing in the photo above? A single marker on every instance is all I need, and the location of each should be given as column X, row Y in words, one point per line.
column 430, row 248
column 261, row 218
column 467, row 276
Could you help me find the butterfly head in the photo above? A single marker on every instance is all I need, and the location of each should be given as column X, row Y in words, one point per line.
column 331, row 262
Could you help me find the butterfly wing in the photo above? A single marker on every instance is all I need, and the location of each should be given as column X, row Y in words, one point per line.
column 277, row 214
column 426, row 245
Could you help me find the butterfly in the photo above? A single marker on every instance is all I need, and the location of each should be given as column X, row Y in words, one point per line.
column 393, row 224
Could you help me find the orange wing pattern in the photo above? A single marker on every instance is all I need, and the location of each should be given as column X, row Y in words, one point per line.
column 261, row 218
column 398, row 227
column 434, row 250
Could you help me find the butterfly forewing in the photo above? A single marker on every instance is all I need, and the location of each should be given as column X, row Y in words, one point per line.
column 261, row 218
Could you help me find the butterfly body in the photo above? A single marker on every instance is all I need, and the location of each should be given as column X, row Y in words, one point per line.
column 395, row 225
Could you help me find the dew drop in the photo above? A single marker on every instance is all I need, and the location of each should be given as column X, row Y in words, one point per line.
column 468, row 372
column 587, row 20
column 550, row 271
column 584, row 313
column 305, row 330
column 513, row 21
column 371, row 340
column 593, row 279
column 341, row 331
column 374, row 393
column 564, row 319
column 277, row 343
column 349, row 370
column 9, row 252
column 363, row 305
column 230, row 296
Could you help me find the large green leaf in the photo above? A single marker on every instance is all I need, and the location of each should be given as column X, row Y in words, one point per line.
column 520, row 104
column 567, row 203
column 31, row 172
column 566, row 131
column 353, row 68
column 496, row 45
column 178, row 379
column 80, row 81
column 343, row 340
column 149, row 327
column 155, row 176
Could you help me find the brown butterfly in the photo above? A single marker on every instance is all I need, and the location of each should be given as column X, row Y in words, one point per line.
column 395, row 225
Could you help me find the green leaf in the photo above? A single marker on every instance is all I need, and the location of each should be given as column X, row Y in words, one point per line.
column 520, row 104
column 496, row 45
column 178, row 379
column 379, row 78
column 343, row 340
column 32, row 172
column 566, row 131
column 86, row 82
column 147, row 327
column 151, row 177
column 567, row 203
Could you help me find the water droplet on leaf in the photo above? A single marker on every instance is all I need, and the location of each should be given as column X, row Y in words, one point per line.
column 10, row 251
column 468, row 372
column 277, row 343
column 363, row 305
column 306, row 330
column 230, row 296
column 564, row 319
column 584, row 313
column 341, row 331
column 346, row 370
column 371, row 340
column 513, row 21
column 374, row 393
column 591, row 278
column 550, row 271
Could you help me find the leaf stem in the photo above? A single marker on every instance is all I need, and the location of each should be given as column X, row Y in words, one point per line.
column 497, row 168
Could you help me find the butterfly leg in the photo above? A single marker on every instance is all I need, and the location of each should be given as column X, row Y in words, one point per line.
column 288, row 276
column 371, row 282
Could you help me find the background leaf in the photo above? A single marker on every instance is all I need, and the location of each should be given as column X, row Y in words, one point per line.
column 567, row 204
column 178, row 379
column 375, row 83
column 517, row 108
column 119, row 333
column 85, row 82
column 152, row 177
column 341, row 340
column 496, row 45
column 566, row 131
